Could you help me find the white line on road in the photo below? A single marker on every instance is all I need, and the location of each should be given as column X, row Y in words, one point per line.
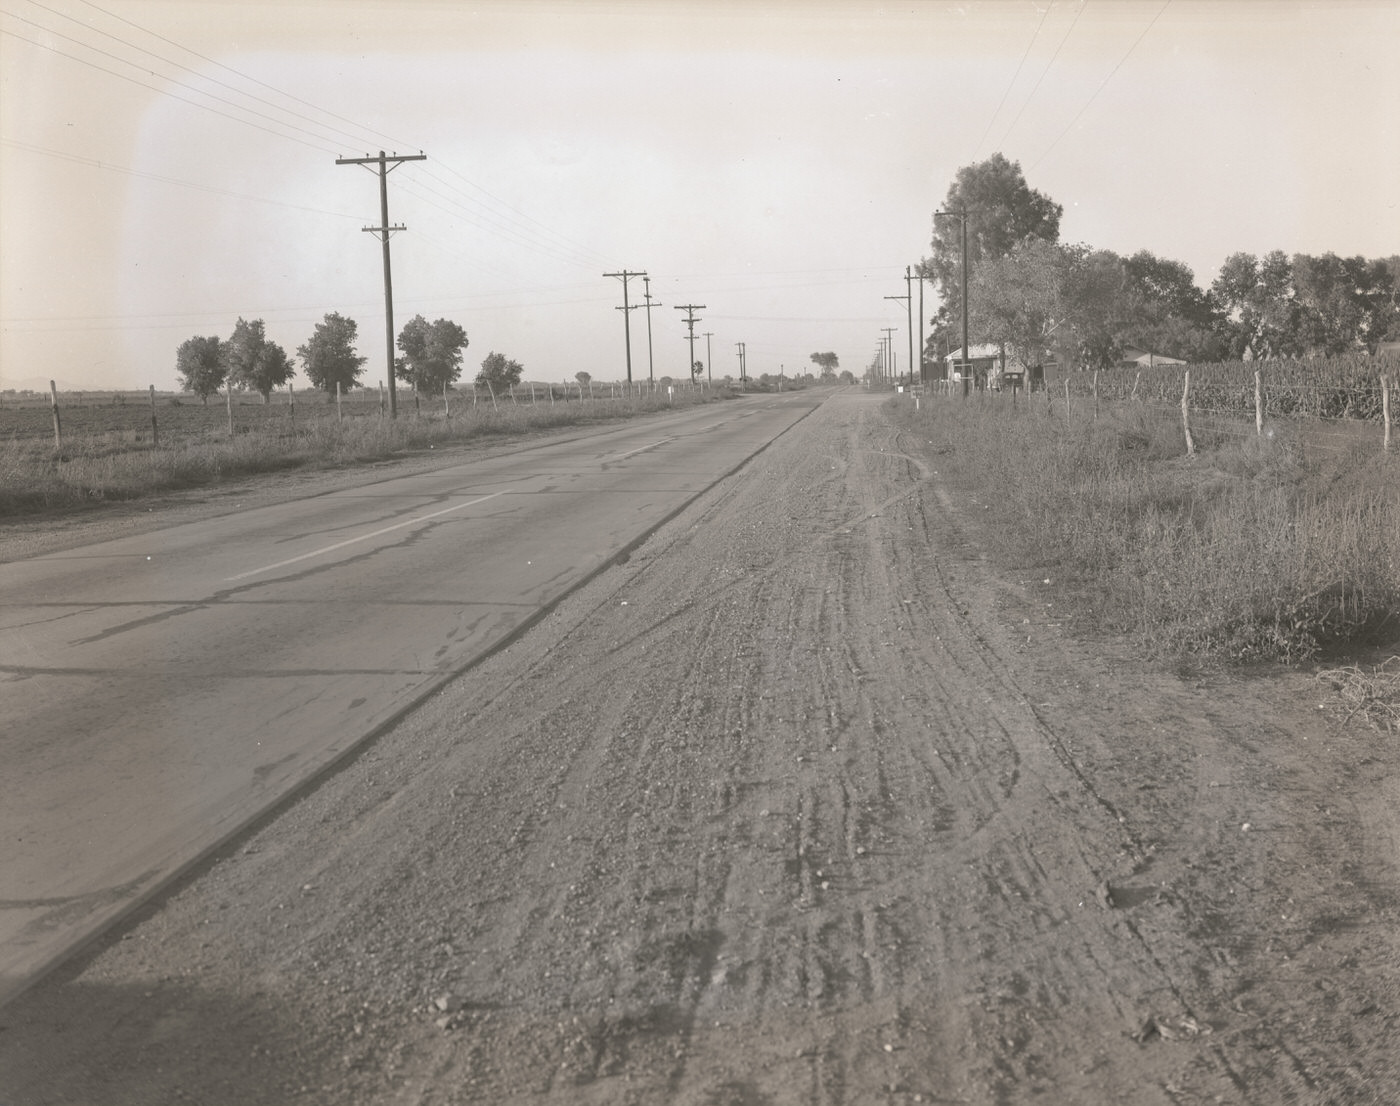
column 639, row 449
column 363, row 537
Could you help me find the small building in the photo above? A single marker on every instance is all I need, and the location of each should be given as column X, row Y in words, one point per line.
column 1135, row 358
column 987, row 362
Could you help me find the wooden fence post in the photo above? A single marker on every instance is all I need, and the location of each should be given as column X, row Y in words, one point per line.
column 446, row 406
column 155, row 428
column 381, row 399
column 291, row 403
column 228, row 402
column 339, row 411
column 1096, row 393
column 1066, row 397
column 1385, row 412
column 1186, row 412
column 57, row 429
column 1258, row 404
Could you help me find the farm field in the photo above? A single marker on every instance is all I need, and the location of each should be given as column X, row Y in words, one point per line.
column 829, row 793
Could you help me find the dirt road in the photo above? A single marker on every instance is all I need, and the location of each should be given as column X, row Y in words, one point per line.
column 808, row 802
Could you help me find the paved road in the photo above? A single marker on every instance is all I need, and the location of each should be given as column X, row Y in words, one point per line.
column 161, row 691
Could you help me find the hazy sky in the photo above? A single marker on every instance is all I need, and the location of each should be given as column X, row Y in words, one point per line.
column 167, row 166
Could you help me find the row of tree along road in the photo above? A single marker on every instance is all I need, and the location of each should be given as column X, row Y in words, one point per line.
column 431, row 359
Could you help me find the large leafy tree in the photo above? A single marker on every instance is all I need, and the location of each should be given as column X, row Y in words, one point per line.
column 499, row 372
column 432, row 353
column 1002, row 211
column 1042, row 296
column 1167, row 312
column 1256, row 293
column 254, row 362
column 329, row 355
column 1344, row 303
column 200, row 363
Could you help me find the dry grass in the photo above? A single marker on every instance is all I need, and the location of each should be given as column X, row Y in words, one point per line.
column 117, row 465
column 1372, row 695
column 1253, row 548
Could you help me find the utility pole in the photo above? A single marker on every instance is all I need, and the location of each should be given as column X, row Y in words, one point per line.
column 905, row 298
column 646, row 284
column 626, row 310
column 890, row 332
column 922, row 367
column 690, row 321
column 741, row 361
column 709, row 373
column 961, row 214
column 382, row 232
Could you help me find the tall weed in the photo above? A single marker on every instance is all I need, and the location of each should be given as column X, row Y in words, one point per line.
column 1251, row 549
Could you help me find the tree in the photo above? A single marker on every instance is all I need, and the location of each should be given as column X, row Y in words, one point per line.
column 329, row 355
column 498, row 373
column 432, row 354
column 828, row 363
column 254, row 362
column 1344, row 303
column 1002, row 212
column 1168, row 313
column 1256, row 295
column 200, row 363
column 583, row 378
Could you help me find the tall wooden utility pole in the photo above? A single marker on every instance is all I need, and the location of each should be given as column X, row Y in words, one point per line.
column 383, row 231
column 905, row 298
column 709, row 374
column 690, row 321
column 626, row 310
column 741, row 361
column 651, row 368
column 889, row 347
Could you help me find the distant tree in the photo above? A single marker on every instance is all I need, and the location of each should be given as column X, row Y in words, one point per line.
column 254, row 362
column 583, row 378
column 329, row 355
column 499, row 373
column 200, row 363
column 432, row 354
column 828, row 363
column 846, row 377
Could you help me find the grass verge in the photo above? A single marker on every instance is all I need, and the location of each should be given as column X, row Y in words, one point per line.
column 1273, row 547
column 96, row 468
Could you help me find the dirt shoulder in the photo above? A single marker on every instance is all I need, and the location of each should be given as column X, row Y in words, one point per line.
column 808, row 802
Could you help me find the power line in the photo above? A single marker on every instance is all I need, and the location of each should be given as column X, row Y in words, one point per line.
column 1031, row 95
column 162, row 91
column 178, row 65
column 229, row 69
column 1014, row 77
column 1103, row 84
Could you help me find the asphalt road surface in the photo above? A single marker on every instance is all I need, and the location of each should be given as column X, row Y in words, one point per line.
column 161, row 691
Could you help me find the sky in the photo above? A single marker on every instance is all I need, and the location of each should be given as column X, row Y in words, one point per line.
column 169, row 166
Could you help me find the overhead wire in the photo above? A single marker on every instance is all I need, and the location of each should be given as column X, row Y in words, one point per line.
column 1103, row 84
column 1039, row 80
column 1014, row 78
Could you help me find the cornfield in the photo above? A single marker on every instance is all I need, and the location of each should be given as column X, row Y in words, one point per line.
column 1346, row 387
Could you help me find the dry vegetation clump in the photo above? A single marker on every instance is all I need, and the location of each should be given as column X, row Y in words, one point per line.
column 1253, row 548
column 1371, row 694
